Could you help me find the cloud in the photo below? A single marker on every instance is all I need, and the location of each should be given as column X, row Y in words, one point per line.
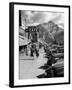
column 36, row 17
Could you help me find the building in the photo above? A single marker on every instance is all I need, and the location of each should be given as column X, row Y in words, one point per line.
column 32, row 33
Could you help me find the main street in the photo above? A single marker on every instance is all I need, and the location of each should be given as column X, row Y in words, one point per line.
column 29, row 66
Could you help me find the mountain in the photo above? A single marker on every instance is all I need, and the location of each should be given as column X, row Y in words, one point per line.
column 49, row 32
column 52, row 32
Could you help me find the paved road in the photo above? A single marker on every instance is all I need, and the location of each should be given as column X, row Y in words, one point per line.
column 30, row 68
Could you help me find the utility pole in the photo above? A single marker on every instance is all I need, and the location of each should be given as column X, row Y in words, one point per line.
column 25, row 33
column 43, row 35
column 25, row 21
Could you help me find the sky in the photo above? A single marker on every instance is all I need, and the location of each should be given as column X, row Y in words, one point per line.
column 38, row 17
